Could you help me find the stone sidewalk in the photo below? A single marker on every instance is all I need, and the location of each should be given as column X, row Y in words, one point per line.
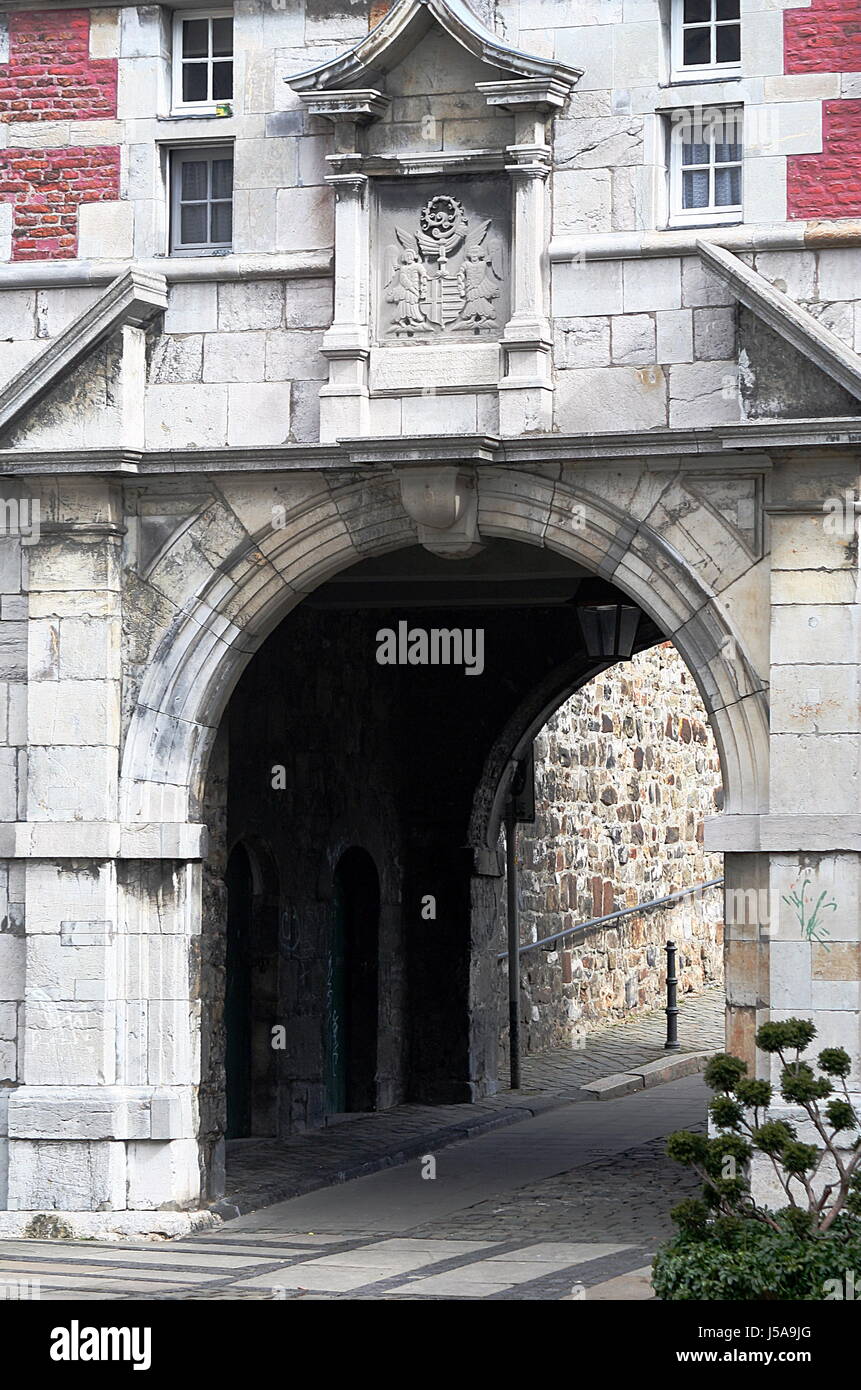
column 263, row 1171
column 568, row 1205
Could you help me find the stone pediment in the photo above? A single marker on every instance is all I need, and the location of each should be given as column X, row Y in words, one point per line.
column 86, row 363
column 365, row 66
column 790, row 323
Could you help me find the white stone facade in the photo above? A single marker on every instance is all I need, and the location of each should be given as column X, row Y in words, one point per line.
column 209, row 438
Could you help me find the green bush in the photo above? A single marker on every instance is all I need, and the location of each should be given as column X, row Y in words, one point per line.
column 729, row 1248
column 747, row 1260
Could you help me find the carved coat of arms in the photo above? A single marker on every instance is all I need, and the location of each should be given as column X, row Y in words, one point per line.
column 444, row 277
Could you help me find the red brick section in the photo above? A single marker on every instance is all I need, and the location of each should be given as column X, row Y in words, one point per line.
column 46, row 188
column 829, row 184
column 824, row 38
column 50, row 75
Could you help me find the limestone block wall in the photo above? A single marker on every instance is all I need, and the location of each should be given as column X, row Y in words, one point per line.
column 88, row 124
column 662, row 341
column 13, row 741
column 626, row 772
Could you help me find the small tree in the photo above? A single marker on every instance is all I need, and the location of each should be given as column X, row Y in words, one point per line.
column 739, row 1110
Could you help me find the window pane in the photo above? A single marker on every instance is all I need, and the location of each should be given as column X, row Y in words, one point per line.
column 222, row 178
column 194, row 82
column 697, row 11
column 222, row 81
column 728, row 43
column 222, row 37
column 193, row 179
column 697, row 47
column 727, row 187
column 192, row 224
column 195, row 38
column 222, row 222
column 727, row 140
column 695, row 190
column 697, row 153
column 727, row 9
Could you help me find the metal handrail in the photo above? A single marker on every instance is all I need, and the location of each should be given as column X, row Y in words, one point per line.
column 615, row 916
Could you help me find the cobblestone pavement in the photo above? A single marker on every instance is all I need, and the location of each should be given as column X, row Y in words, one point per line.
column 260, row 1172
column 568, row 1204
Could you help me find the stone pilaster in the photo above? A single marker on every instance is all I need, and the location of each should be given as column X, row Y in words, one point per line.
column 103, row 1120
column 526, row 387
column 344, row 398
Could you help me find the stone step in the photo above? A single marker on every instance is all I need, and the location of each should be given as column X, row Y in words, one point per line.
column 640, row 1078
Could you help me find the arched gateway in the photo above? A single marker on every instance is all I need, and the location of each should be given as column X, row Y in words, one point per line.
column 190, row 502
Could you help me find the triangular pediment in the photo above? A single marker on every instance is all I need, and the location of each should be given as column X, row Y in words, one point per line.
column 809, row 341
column 367, row 63
column 48, row 400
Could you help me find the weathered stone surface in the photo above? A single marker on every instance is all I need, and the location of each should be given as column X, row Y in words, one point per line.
column 633, row 337
column 705, row 393
column 259, row 304
column 234, row 356
column 626, row 771
column 596, row 399
column 582, row 342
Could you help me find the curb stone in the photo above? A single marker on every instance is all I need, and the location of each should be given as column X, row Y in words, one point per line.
column 656, row 1073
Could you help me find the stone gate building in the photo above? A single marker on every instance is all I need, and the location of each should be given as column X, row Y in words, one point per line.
column 321, row 319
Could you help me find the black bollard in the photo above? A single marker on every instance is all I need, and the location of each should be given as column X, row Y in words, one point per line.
column 672, row 1009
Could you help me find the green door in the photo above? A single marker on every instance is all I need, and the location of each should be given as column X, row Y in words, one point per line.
column 336, row 1007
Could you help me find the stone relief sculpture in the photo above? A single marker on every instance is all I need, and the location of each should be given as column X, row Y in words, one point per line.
column 446, row 276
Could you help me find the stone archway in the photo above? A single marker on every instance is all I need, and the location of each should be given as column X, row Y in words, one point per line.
column 251, row 551
column 217, row 629
column 333, row 525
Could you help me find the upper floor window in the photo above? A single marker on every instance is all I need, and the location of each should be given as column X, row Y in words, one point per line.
column 202, row 59
column 201, row 212
column 706, row 152
column 706, row 38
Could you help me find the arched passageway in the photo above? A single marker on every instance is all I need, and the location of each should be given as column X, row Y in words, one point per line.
column 390, row 757
column 388, row 987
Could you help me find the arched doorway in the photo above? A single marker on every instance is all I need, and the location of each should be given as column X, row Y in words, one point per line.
column 436, row 1001
column 352, row 988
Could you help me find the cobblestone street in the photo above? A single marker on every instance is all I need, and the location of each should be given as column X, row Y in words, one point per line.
column 569, row 1202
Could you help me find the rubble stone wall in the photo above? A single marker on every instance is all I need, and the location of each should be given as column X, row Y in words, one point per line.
column 626, row 771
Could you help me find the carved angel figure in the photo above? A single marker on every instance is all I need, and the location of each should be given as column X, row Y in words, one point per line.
column 478, row 281
column 405, row 289
column 478, row 284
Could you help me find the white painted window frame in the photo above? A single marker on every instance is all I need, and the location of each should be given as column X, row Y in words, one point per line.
column 179, row 107
column 681, row 72
column 710, row 216
column 177, row 154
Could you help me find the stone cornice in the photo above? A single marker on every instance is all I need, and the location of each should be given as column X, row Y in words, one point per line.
column 285, row 265
column 526, row 94
column 795, row 325
column 103, row 840
column 749, row 236
column 357, row 104
column 742, row 448
column 787, row 834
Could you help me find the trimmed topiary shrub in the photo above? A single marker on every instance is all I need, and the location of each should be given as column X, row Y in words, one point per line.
column 729, row 1248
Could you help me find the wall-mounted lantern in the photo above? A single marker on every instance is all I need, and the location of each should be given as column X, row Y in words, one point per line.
column 609, row 629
